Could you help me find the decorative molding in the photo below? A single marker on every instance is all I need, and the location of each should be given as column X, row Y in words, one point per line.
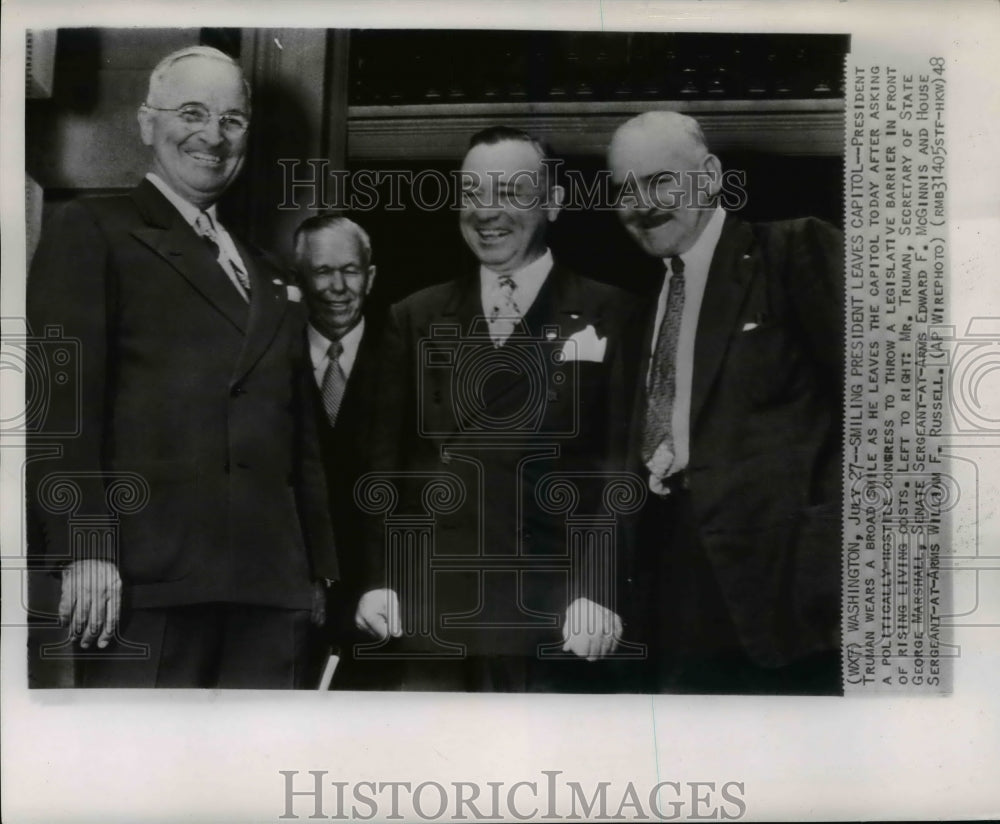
column 441, row 131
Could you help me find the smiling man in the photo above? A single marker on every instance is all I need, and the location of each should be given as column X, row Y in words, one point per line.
column 333, row 265
column 738, row 426
column 493, row 385
column 196, row 438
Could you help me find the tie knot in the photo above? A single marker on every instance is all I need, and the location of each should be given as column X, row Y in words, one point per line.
column 507, row 283
column 334, row 350
column 203, row 223
column 676, row 265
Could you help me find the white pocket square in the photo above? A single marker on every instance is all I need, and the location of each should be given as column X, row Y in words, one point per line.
column 749, row 326
column 585, row 346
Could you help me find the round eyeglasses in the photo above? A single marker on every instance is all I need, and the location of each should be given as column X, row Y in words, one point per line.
column 197, row 117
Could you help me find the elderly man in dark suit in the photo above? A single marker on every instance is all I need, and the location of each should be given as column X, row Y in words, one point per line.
column 333, row 265
column 194, row 393
column 500, row 393
column 737, row 428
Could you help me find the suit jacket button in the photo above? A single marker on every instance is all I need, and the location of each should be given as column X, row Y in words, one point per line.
column 225, row 467
column 237, row 391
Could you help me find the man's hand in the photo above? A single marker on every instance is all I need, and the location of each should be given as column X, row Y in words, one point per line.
column 90, row 602
column 318, row 613
column 590, row 630
column 378, row 614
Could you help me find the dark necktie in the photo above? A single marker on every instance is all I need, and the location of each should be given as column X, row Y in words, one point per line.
column 658, row 432
column 206, row 228
column 334, row 382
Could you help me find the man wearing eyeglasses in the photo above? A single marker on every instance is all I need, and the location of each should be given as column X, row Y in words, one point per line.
column 193, row 399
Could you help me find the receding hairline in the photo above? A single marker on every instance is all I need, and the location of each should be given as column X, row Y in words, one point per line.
column 159, row 73
column 321, row 224
column 666, row 125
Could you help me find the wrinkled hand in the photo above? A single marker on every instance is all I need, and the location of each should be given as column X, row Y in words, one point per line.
column 590, row 630
column 318, row 611
column 90, row 601
column 378, row 614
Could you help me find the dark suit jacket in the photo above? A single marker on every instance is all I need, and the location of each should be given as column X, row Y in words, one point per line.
column 188, row 387
column 345, row 448
column 766, row 441
column 493, row 423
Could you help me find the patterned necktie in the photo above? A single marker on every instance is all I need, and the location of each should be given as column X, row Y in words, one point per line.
column 658, row 435
column 206, row 228
column 504, row 312
column 334, row 382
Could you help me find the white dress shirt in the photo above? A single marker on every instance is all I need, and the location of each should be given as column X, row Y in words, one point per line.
column 697, row 261
column 319, row 346
column 528, row 280
column 190, row 214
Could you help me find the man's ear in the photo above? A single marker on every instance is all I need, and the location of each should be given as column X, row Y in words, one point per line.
column 554, row 202
column 145, row 118
column 713, row 166
column 371, row 280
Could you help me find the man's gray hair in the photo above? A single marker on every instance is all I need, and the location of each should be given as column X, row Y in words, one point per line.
column 323, row 223
column 675, row 123
column 156, row 77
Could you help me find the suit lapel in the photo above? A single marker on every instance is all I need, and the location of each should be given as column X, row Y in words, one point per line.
column 559, row 303
column 645, row 355
column 268, row 303
column 170, row 237
column 729, row 276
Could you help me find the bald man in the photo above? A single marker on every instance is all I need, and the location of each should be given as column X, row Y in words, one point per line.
column 737, row 426
column 194, row 403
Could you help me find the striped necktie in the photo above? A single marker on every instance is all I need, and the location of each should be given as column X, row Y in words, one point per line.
column 658, row 434
column 334, row 382
column 504, row 312
column 205, row 227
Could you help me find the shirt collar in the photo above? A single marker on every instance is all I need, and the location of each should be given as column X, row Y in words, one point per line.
column 699, row 257
column 319, row 344
column 188, row 210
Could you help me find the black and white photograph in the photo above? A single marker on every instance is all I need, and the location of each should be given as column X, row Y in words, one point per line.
column 509, row 475
column 459, row 416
